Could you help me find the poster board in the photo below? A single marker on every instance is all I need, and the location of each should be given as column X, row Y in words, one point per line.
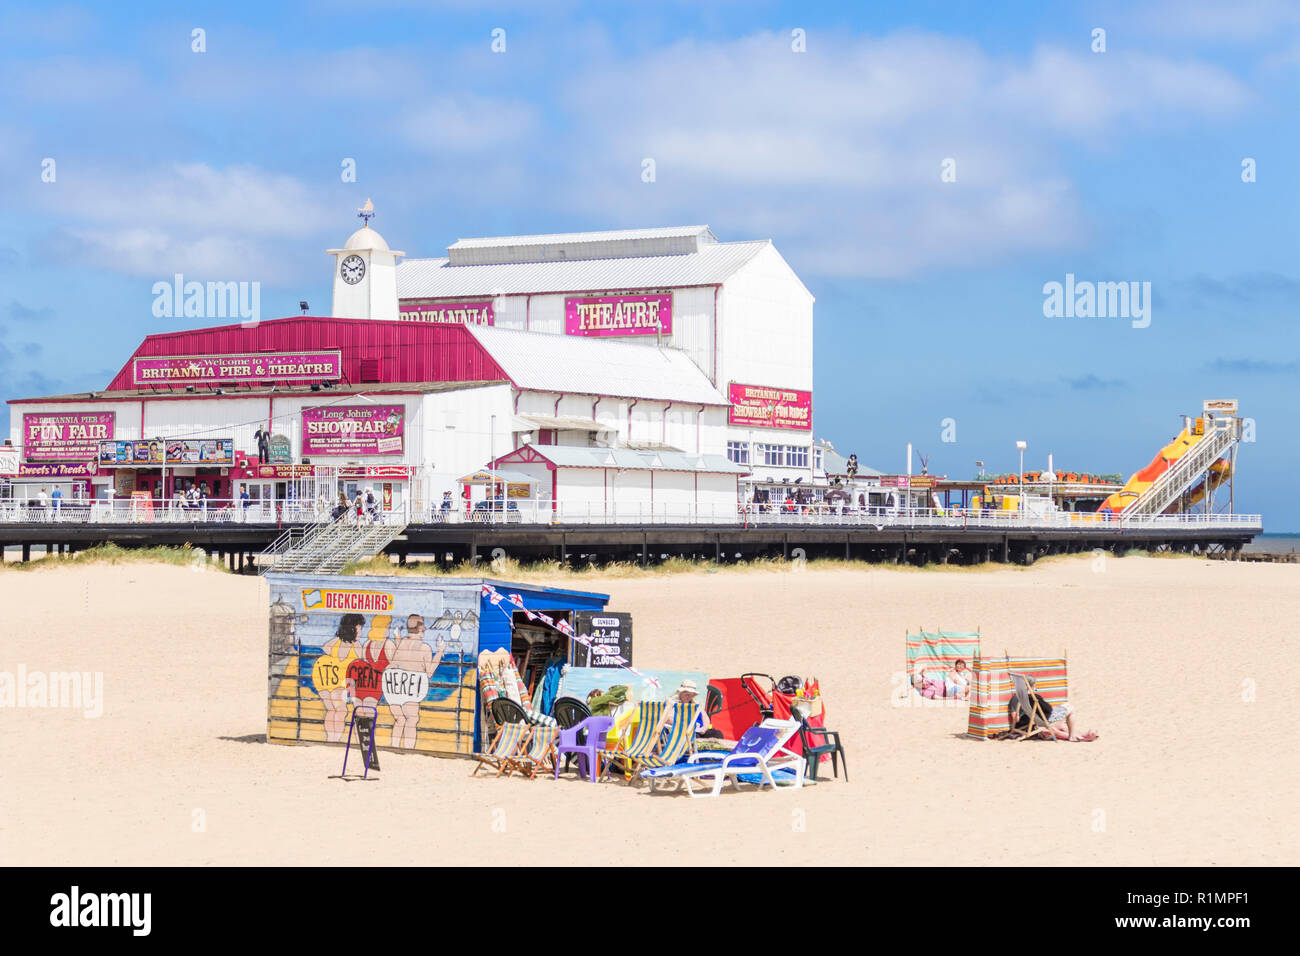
column 584, row 682
column 611, row 637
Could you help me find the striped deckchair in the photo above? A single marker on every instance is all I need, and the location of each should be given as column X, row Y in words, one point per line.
column 1022, row 688
column 508, row 744
column 940, row 651
column 541, row 749
column 642, row 744
column 991, row 689
column 680, row 742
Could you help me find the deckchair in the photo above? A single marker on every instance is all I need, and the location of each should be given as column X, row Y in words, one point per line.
column 509, row 743
column 541, row 748
column 642, row 743
column 1028, row 704
column 680, row 742
column 761, row 755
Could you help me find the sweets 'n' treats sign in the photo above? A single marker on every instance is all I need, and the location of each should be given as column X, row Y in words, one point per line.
column 220, row 369
column 761, row 406
column 353, row 430
column 619, row 314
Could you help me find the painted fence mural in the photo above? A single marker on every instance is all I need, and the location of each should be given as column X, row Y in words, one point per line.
column 340, row 642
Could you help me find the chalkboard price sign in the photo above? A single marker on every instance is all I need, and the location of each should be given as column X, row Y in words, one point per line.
column 611, row 638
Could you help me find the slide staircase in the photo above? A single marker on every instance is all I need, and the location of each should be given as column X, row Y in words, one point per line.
column 1192, row 467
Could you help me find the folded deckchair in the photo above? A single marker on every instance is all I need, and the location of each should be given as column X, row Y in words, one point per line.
column 541, row 748
column 760, row 755
column 1028, row 704
column 642, row 743
column 508, row 744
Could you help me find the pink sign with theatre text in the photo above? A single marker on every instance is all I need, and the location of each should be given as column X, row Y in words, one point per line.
column 252, row 367
column 353, row 430
column 65, row 436
column 761, row 406
column 448, row 313
column 619, row 314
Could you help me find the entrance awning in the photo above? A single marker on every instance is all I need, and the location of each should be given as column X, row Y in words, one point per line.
column 485, row 477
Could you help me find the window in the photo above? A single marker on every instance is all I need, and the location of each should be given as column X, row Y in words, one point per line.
column 772, row 454
column 796, row 456
column 817, row 459
column 738, row 452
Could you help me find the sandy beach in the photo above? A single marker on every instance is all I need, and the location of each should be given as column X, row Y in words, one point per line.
column 1184, row 666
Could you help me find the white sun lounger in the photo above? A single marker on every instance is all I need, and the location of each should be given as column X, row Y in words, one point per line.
column 761, row 752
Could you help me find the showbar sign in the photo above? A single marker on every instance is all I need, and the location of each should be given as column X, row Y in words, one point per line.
column 354, row 430
column 65, row 436
column 759, row 406
column 227, row 369
column 447, row 313
column 619, row 314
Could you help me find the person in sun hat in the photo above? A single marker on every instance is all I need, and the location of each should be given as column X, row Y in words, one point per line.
column 687, row 692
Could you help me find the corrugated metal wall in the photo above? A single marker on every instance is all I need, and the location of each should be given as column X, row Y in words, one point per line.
column 406, row 352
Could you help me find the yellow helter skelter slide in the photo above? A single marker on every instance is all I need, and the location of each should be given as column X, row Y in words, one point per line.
column 1162, row 462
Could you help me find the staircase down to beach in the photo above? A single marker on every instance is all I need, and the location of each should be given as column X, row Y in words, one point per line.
column 327, row 547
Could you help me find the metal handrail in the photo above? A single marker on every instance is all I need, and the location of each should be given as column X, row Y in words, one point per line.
column 309, row 523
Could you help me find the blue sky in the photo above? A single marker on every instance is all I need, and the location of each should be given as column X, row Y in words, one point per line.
column 1123, row 165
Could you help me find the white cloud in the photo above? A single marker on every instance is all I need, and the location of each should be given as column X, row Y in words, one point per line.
column 846, row 141
column 221, row 223
column 469, row 124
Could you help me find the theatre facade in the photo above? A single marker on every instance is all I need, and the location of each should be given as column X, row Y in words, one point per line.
column 643, row 372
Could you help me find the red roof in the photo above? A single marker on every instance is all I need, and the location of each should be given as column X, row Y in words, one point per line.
column 392, row 351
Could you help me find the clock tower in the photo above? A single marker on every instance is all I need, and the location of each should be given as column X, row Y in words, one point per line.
column 365, row 274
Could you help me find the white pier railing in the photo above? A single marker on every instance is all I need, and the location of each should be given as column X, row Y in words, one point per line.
column 530, row 512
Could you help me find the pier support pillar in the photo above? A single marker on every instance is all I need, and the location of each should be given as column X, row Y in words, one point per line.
column 27, row 553
column 644, row 545
column 1006, row 550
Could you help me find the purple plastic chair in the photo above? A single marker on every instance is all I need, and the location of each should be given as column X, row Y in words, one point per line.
column 583, row 740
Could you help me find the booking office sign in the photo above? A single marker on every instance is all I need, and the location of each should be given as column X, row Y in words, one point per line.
column 408, row 652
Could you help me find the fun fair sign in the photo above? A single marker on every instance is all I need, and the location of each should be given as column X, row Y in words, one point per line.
column 619, row 314
column 71, row 436
column 759, row 406
column 354, row 430
column 225, row 369
column 448, row 313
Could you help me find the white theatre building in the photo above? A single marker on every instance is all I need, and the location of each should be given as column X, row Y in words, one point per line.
column 736, row 309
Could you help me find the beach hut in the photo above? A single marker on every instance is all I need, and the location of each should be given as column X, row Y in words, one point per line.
column 991, row 689
column 410, row 645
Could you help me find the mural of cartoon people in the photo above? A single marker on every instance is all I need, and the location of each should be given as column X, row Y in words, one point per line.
column 365, row 675
column 411, row 663
column 331, row 673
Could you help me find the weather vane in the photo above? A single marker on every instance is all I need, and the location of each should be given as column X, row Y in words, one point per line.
column 366, row 212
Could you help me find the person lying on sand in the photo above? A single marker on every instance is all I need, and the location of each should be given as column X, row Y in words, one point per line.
column 1060, row 719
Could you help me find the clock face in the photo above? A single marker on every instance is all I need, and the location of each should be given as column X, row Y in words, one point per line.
column 352, row 269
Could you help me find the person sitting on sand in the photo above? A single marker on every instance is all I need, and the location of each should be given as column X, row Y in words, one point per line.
column 957, row 681
column 1060, row 718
